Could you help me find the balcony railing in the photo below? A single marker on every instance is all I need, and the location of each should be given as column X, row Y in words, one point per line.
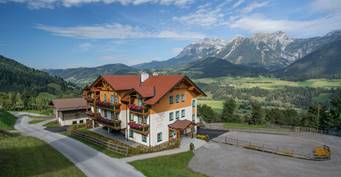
column 112, row 123
column 142, row 128
column 112, row 106
column 140, row 110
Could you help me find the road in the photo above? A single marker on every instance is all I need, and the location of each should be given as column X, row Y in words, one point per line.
column 87, row 159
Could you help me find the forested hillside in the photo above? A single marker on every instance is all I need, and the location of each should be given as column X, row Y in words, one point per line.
column 25, row 87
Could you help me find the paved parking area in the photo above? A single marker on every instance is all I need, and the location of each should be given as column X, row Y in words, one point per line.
column 221, row 160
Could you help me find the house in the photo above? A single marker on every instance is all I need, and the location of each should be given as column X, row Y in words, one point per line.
column 70, row 111
column 147, row 109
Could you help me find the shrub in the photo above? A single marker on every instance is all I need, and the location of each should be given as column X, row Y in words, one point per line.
column 202, row 137
column 191, row 147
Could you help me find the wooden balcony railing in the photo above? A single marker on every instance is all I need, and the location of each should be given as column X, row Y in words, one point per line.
column 112, row 106
column 112, row 123
column 139, row 110
column 142, row 128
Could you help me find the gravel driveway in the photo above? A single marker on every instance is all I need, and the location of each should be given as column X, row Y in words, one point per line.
column 221, row 160
column 87, row 159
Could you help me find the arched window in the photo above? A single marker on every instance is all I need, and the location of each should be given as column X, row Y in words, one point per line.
column 105, row 98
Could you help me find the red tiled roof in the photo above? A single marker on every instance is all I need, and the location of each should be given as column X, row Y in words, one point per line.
column 70, row 103
column 154, row 88
column 180, row 124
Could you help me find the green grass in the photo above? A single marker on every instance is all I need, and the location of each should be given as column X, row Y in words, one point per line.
column 28, row 156
column 36, row 120
column 167, row 166
column 243, row 126
column 95, row 146
column 52, row 124
column 216, row 105
column 7, row 120
column 270, row 83
column 48, row 112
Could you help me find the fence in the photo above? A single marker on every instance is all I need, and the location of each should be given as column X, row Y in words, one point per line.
column 123, row 150
column 273, row 149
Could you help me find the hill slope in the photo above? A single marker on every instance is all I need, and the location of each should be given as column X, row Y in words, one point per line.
column 216, row 67
column 85, row 75
column 16, row 77
column 324, row 62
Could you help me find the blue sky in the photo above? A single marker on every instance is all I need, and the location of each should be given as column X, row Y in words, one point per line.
column 74, row 33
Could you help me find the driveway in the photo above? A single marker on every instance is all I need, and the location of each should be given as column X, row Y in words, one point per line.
column 222, row 160
column 87, row 159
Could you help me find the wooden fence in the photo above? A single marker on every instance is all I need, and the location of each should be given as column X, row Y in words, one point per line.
column 123, row 150
column 268, row 148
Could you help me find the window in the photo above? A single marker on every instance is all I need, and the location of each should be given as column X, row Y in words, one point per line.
column 74, row 122
column 177, row 98
column 105, row 113
column 193, row 117
column 183, row 98
column 112, row 99
column 144, row 138
column 183, row 113
column 131, row 134
column 139, row 101
column 171, row 116
column 177, row 115
column 131, row 118
column 193, row 103
column 81, row 121
column 105, row 98
column 170, row 99
column 159, row 137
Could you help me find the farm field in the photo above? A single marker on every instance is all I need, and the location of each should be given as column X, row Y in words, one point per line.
column 270, row 83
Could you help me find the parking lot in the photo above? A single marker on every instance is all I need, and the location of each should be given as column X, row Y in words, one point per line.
column 222, row 160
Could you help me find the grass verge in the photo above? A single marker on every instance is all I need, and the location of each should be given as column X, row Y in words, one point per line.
column 35, row 121
column 243, row 126
column 52, row 124
column 93, row 145
column 167, row 166
column 7, row 120
column 28, row 156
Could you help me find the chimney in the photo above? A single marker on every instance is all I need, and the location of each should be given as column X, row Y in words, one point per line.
column 144, row 76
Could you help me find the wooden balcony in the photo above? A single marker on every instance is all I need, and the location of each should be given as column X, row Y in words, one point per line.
column 112, row 123
column 111, row 106
column 139, row 110
column 142, row 128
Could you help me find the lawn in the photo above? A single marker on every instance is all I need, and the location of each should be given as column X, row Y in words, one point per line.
column 167, row 166
column 28, row 156
column 52, row 124
column 93, row 145
column 7, row 120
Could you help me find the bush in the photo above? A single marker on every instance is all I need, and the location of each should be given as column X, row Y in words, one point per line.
column 191, row 147
column 202, row 137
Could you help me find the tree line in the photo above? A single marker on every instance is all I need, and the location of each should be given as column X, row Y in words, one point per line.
column 320, row 116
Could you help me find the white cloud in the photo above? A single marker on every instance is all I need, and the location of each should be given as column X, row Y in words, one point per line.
column 38, row 4
column 202, row 17
column 238, row 3
column 115, row 31
column 85, row 46
column 328, row 6
column 258, row 23
column 254, row 5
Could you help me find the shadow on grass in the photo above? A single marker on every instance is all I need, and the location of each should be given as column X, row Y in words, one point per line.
column 27, row 156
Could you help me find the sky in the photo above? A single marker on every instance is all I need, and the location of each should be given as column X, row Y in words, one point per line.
column 86, row 33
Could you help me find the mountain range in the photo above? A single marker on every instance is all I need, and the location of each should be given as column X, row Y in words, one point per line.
column 272, row 51
column 274, row 54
